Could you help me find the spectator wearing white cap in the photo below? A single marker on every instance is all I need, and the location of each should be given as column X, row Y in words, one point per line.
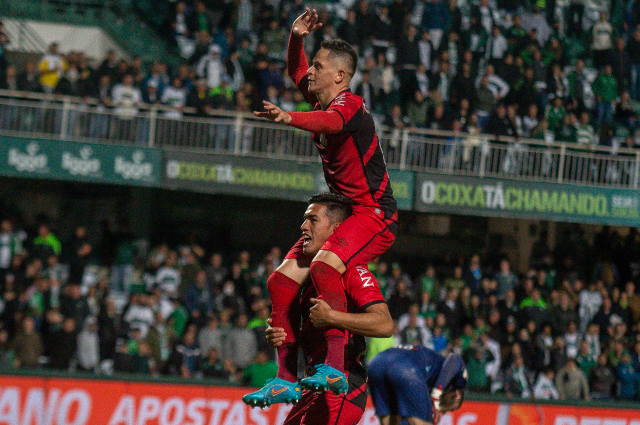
column 211, row 66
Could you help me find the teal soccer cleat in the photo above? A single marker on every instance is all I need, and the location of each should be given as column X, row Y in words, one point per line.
column 274, row 391
column 326, row 378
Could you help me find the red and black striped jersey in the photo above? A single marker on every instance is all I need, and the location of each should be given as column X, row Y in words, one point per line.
column 362, row 291
column 352, row 160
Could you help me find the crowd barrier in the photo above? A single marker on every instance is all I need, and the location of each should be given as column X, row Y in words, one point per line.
column 241, row 134
column 33, row 400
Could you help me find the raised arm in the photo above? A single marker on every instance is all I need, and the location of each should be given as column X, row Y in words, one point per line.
column 297, row 64
column 375, row 321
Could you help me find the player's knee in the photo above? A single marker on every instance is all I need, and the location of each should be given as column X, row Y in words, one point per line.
column 330, row 258
column 272, row 283
column 323, row 276
column 279, row 283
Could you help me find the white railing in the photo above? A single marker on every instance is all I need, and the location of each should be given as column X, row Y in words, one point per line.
column 68, row 118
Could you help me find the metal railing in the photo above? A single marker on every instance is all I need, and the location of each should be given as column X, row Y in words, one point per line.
column 67, row 118
column 22, row 37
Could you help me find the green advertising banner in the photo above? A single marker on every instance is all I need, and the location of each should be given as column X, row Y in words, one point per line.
column 264, row 178
column 247, row 176
column 402, row 185
column 95, row 163
column 519, row 199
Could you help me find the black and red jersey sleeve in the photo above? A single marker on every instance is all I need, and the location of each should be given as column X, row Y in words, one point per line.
column 351, row 109
column 362, row 287
column 297, row 66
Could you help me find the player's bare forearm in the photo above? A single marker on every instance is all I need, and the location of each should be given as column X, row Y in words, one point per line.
column 374, row 322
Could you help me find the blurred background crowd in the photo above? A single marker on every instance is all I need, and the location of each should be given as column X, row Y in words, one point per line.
column 563, row 325
column 566, row 327
column 552, row 70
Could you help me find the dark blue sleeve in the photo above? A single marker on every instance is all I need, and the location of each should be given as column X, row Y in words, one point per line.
column 452, row 374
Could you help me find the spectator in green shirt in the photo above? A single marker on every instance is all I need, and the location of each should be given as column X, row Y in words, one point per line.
column 429, row 282
column 555, row 113
column 260, row 371
column 566, row 132
column 605, row 87
column 476, row 359
column 301, row 104
column 585, row 360
column 585, row 135
column 46, row 243
column 456, row 281
column 180, row 315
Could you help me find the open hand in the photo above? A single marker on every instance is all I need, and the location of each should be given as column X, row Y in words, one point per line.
column 306, row 23
column 320, row 313
column 275, row 336
column 273, row 113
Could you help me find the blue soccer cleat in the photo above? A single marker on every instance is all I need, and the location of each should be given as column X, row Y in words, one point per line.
column 326, row 378
column 274, row 391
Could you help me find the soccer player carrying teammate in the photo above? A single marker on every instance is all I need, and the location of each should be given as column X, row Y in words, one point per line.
column 402, row 379
column 367, row 315
column 353, row 164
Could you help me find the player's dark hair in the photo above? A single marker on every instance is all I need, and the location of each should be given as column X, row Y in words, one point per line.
column 339, row 207
column 449, row 400
column 344, row 51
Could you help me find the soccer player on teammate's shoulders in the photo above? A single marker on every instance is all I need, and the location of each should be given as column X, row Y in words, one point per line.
column 367, row 315
column 401, row 380
column 353, row 164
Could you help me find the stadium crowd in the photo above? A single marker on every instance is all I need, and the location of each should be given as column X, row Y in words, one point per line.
column 566, row 70
column 106, row 301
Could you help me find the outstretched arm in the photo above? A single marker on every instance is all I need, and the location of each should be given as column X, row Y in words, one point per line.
column 323, row 122
column 374, row 322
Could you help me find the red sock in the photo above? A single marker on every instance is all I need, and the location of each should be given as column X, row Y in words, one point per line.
column 285, row 313
column 328, row 283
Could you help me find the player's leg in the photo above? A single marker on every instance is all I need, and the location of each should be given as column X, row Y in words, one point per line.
column 410, row 389
column 390, row 420
column 284, row 287
column 297, row 413
column 378, row 386
column 330, row 409
column 359, row 239
column 326, row 273
column 418, row 421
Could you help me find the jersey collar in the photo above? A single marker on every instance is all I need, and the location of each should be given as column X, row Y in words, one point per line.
column 347, row 90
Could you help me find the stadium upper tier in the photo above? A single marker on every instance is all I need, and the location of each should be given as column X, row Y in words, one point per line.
column 240, row 133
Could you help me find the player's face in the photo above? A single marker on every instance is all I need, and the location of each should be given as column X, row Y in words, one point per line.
column 316, row 228
column 322, row 73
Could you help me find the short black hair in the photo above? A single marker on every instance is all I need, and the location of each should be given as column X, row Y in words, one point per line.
column 449, row 400
column 344, row 51
column 339, row 207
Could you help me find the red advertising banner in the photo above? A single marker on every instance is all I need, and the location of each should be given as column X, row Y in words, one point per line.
column 58, row 401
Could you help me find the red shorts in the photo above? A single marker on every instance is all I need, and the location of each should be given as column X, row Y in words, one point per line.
column 360, row 239
column 324, row 409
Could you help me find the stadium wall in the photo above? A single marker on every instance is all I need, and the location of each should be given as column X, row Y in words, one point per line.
column 51, row 400
column 290, row 180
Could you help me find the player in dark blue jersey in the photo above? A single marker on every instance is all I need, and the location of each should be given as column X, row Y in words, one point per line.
column 417, row 384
